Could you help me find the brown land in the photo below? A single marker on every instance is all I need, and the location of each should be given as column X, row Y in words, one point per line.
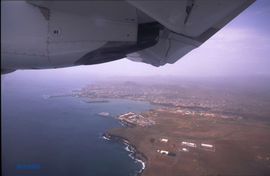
column 240, row 147
column 235, row 122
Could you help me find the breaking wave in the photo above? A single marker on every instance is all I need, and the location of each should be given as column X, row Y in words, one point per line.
column 131, row 155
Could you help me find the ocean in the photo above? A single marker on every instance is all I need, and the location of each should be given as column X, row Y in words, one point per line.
column 60, row 136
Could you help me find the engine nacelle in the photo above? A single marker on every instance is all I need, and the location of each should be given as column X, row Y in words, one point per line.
column 53, row 34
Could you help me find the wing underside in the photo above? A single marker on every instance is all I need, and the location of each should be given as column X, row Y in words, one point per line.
column 53, row 34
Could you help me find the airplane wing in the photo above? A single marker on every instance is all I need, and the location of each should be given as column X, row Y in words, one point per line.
column 53, row 34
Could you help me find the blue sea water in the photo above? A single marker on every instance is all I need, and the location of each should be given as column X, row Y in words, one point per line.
column 60, row 136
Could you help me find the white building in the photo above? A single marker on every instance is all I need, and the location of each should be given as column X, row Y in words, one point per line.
column 164, row 140
column 189, row 144
column 163, row 152
column 185, row 149
column 207, row 145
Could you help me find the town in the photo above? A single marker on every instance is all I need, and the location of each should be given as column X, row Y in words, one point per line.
column 192, row 128
column 135, row 119
column 182, row 98
column 131, row 119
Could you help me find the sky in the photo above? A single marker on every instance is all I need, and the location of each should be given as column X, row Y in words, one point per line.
column 241, row 48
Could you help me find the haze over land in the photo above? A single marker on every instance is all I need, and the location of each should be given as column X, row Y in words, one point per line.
column 230, row 114
column 205, row 126
column 217, row 94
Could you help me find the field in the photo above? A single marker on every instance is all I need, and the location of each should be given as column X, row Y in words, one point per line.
column 240, row 147
column 199, row 127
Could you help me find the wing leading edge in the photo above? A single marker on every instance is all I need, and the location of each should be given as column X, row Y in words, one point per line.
column 53, row 34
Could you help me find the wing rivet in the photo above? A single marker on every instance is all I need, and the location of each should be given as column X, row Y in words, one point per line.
column 56, row 31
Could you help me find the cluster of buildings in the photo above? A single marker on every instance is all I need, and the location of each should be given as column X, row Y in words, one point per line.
column 195, row 105
column 201, row 114
column 135, row 119
column 176, row 97
column 186, row 147
column 142, row 92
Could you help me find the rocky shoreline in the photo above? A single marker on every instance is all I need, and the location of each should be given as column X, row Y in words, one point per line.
column 135, row 153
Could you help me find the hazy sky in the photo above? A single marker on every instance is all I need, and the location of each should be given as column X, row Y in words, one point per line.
column 240, row 48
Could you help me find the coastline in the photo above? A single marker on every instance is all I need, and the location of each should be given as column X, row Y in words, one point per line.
column 134, row 152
